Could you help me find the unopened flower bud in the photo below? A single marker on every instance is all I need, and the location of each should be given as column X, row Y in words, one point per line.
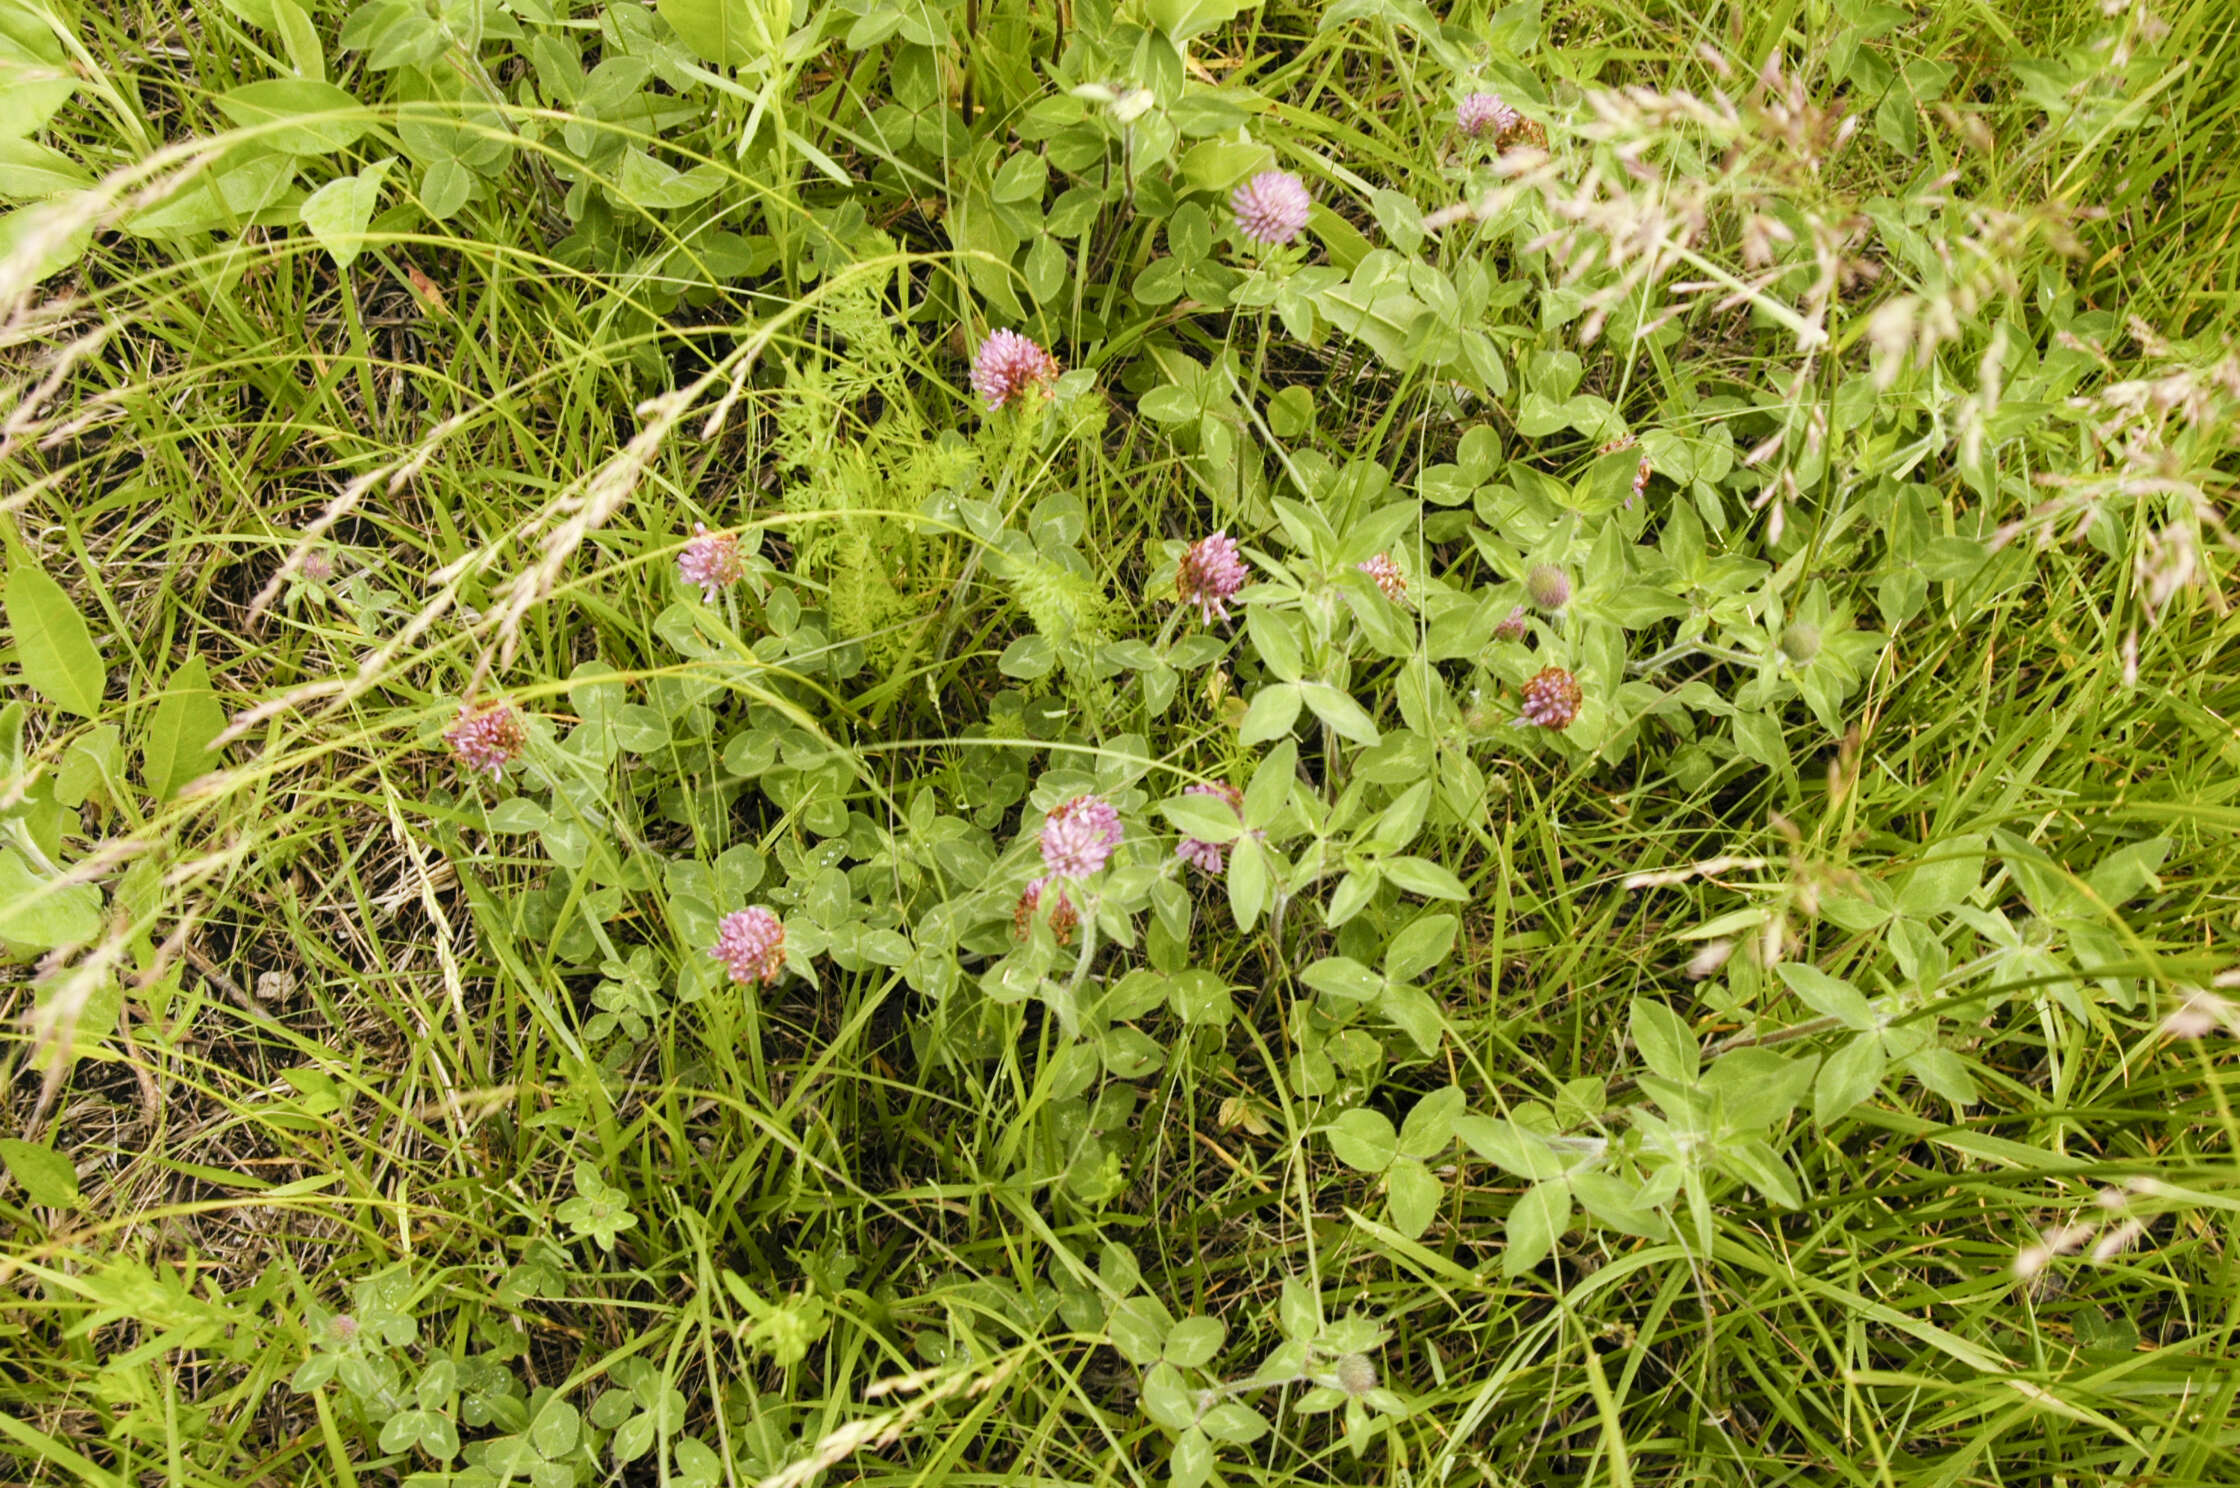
column 1356, row 1374
column 1801, row 642
column 1548, row 587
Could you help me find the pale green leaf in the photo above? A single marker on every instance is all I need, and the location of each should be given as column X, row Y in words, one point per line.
column 303, row 116
column 1420, row 947
column 1829, row 996
column 337, row 213
column 1345, row 716
column 725, row 32
column 1272, row 780
column 1666, row 1045
column 30, row 171
column 1194, row 1341
column 188, row 717
column 1364, row 1140
column 53, row 646
column 1849, row 1077
column 1274, row 710
column 1534, row 1225
column 1191, row 1462
column 41, row 915
column 46, row 1175
column 1411, row 1195
column 1208, row 818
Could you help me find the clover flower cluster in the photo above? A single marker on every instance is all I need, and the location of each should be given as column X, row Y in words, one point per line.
column 1552, row 698
column 712, row 560
column 751, row 944
column 486, row 740
column 1008, row 365
column 1210, row 573
column 1272, row 208
column 1078, row 837
column 1480, row 115
column 1063, row 916
column 1387, row 575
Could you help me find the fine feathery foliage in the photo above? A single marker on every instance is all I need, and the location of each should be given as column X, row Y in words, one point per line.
column 757, row 742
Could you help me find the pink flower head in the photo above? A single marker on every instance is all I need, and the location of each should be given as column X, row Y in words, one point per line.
column 1272, row 207
column 712, row 561
column 1079, row 836
column 1481, row 114
column 1063, row 916
column 1551, row 698
column 1207, row 857
column 1210, row 573
column 751, row 943
column 1641, row 476
column 488, row 740
column 1511, row 628
column 1007, row 365
column 1388, row 576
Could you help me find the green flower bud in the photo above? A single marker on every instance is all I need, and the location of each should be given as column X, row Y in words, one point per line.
column 1548, row 587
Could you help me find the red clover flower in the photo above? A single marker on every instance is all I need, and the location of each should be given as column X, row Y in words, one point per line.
column 1548, row 587
column 1551, row 699
column 712, row 561
column 1007, row 364
column 1388, row 576
column 1272, row 207
column 1481, row 114
column 751, row 943
column 1210, row 573
column 488, row 740
column 1078, row 837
